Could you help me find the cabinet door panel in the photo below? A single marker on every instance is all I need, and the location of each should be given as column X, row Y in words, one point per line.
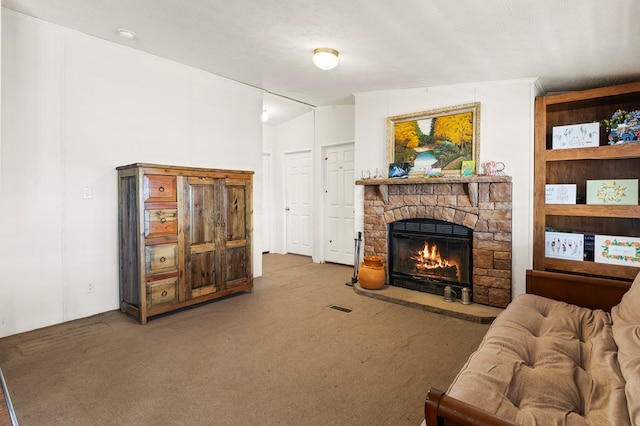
column 201, row 213
column 236, row 266
column 236, row 231
column 203, row 274
column 201, row 255
column 236, row 213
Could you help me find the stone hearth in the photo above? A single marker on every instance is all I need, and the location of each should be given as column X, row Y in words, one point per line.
column 482, row 203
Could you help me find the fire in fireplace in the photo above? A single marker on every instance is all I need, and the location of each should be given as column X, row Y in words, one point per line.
column 427, row 255
column 429, row 263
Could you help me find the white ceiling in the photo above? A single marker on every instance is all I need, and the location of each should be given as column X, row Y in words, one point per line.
column 383, row 44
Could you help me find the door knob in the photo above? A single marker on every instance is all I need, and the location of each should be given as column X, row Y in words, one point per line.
column 286, row 209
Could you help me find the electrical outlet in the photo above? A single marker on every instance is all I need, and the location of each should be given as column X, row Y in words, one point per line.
column 91, row 287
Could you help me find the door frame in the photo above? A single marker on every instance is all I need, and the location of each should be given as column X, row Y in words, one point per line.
column 267, row 203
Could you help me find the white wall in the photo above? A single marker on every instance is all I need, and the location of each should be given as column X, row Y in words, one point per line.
column 0, row 105
column 74, row 107
column 324, row 126
column 506, row 134
column 269, row 138
column 294, row 135
column 269, row 211
column 334, row 125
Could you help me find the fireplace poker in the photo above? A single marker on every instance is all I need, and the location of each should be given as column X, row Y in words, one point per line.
column 356, row 258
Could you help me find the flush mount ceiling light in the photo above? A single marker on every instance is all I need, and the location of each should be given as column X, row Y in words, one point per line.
column 325, row 58
column 125, row 33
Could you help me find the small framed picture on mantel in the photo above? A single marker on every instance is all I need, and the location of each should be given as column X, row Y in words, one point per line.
column 468, row 168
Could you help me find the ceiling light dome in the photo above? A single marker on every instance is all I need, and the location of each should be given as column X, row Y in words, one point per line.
column 125, row 33
column 325, row 58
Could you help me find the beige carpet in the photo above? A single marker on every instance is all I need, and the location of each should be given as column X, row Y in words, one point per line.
column 279, row 356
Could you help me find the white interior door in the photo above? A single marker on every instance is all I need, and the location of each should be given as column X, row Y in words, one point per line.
column 267, row 205
column 298, row 202
column 339, row 204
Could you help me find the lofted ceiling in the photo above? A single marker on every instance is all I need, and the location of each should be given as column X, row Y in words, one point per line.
column 383, row 44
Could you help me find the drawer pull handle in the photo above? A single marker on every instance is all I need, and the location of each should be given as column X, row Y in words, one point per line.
column 164, row 293
column 163, row 220
column 162, row 259
column 161, row 189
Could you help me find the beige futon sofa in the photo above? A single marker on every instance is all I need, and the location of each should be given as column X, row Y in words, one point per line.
column 546, row 362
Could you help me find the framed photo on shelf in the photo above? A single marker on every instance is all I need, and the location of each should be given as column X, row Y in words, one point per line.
column 437, row 139
column 560, row 193
column 613, row 192
column 576, row 136
column 564, row 245
column 617, row 250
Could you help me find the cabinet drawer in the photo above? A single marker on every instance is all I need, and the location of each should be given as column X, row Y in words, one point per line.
column 162, row 292
column 159, row 188
column 161, row 258
column 158, row 223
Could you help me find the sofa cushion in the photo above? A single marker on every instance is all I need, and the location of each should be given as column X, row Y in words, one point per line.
column 626, row 332
column 546, row 362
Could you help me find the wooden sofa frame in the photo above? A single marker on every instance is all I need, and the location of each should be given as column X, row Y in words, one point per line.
column 589, row 292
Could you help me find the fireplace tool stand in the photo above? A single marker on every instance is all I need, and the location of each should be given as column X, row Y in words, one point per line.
column 356, row 259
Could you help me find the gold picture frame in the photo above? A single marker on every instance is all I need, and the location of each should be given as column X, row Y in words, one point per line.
column 442, row 138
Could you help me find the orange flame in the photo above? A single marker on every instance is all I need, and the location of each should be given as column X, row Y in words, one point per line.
column 429, row 259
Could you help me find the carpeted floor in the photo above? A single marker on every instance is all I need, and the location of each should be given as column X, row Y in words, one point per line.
column 279, row 356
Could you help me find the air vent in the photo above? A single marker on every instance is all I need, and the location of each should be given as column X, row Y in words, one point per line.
column 444, row 228
column 412, row 226
column 462, row 231
column 340, row 308
column 430, row 226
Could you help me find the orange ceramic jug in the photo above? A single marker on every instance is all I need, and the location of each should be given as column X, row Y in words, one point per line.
column 371, row 274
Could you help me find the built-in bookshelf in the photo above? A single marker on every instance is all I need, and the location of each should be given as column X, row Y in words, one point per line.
column 578, row 165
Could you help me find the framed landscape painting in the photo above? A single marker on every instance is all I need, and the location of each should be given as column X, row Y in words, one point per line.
column 441, row 138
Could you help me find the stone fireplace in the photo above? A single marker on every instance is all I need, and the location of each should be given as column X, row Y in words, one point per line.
column 481, row 204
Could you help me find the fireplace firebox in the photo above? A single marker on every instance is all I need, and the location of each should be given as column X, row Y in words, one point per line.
column 427, row 255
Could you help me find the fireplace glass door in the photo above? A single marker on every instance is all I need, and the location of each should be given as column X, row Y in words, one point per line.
column 427, row 255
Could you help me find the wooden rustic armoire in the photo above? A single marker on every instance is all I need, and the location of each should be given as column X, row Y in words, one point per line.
column 185, row 236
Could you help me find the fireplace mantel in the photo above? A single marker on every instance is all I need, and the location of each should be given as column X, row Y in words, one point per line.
column 434, row 180
column 481, row 203
column 471, row 182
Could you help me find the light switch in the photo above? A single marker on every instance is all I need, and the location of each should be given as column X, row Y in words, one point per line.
column 88, row 192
